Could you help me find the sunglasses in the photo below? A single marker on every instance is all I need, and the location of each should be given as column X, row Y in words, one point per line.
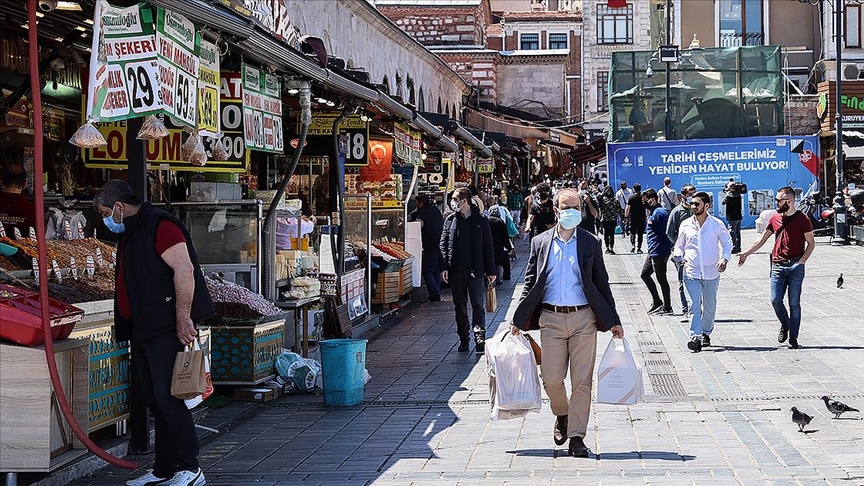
column 697, row 203
column 781, row 199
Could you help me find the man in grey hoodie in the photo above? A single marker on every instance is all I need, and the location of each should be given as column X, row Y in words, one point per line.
column 680, row 213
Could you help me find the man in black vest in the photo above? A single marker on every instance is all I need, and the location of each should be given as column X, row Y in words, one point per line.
column 160, row 294
column 734, row 212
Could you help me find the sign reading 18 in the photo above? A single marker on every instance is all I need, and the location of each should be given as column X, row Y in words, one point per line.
column 356, row 146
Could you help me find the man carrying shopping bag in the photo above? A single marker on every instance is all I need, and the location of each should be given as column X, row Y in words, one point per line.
column 567, row 296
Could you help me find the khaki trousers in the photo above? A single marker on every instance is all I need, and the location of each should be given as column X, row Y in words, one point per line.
column 569, row 341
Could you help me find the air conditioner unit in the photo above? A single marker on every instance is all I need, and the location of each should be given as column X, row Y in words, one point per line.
column 850, row 72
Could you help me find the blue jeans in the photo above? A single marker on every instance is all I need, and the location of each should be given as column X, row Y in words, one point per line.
column 735, row 232
column 704, row 292
column 783, row 277
column 432, row 272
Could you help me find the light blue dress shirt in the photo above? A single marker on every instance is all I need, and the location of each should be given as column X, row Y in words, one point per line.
column 564, row 279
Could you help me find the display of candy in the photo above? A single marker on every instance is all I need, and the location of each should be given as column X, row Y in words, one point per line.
column 218, row 150
column 199, row 155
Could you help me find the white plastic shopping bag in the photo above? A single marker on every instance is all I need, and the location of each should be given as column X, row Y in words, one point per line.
column 619, row 377
column 514, row 384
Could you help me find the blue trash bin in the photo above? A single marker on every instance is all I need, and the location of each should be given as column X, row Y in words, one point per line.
column 343, row 362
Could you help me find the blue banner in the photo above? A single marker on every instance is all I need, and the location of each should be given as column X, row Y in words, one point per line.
column 764, row 164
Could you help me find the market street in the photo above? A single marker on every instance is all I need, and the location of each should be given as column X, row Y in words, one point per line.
column 721, row 416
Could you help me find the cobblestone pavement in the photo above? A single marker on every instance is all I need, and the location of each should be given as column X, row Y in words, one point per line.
column 721, row 416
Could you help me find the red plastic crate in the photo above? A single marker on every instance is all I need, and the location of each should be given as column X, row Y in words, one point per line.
column 21, row 316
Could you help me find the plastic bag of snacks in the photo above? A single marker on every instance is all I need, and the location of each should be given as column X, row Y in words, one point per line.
column 199, row 155
column 218, row 149
column 152, row 129
column 88, row 136
column 189, row 145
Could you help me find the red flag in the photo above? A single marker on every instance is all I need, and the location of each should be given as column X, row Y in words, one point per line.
column 811, row 161
column 616, row 3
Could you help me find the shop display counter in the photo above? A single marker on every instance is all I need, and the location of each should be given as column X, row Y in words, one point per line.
column 35, row 436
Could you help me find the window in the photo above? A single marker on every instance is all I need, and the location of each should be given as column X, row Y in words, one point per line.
column 557, row 41
column 741, row 23
column 853, row 26
column 614, row 25
column 529, row 42
column 602, row 90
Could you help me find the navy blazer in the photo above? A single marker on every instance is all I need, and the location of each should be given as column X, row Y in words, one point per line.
column 595, row 281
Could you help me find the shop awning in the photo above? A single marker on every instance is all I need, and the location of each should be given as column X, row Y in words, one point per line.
column 457, row 129
column 264, row 48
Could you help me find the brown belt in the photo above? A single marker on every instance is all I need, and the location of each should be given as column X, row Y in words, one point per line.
column 563, row 309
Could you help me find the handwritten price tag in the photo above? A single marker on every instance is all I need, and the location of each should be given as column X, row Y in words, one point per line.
column 17, row 233
column 36, row 269
column 113, row 258
column 91, row 267
column 74, row 268
column 68, row 228
column 56, row 269
column 80, row 230
column 2, row 231
column 32, row 233
column 99, row 258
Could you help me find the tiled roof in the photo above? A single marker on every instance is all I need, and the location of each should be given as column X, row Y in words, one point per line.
column 495, row 30
column 543, row 15
column 426, row 3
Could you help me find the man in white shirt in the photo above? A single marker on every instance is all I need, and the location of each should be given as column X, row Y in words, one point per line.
column 623, row 195
column 668, row 196
column 704, row 247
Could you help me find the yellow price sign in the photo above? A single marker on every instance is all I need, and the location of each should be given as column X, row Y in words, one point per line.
column 208, row 109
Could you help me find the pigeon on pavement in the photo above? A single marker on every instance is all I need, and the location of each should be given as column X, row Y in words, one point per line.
column 840, row 281
column 800, row 418
column 837, row 407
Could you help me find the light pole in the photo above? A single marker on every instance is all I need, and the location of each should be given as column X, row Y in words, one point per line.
column 668, row 131
column 840, row 228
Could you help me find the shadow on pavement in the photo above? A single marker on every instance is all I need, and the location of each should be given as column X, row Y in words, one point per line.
column 646, row 455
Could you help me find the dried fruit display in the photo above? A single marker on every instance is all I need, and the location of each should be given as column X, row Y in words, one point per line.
column 394, row 249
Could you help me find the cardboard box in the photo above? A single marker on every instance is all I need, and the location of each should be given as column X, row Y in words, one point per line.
column 257, row 394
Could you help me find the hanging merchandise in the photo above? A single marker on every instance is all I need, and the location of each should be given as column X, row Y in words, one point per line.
column 208, row 89
column 152, row 129
column 188, row 145
column 407, row 144
column 199, row 155
column 87, row 136
column 262, row 110
column 217, row 150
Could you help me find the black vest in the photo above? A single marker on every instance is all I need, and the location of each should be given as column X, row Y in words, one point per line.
column 150, row 281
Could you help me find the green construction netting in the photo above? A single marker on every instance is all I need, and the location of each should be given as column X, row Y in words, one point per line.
column 714, row 93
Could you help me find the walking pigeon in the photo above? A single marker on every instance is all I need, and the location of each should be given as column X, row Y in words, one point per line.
column 840, row 281
column 837, row 407
column 800, row 418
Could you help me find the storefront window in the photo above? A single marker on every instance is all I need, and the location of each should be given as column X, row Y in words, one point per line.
column 614, row 25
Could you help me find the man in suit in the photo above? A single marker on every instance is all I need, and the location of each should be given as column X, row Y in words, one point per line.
column 567, row 296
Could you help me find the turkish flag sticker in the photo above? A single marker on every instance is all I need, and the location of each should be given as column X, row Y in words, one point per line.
column 811, row 161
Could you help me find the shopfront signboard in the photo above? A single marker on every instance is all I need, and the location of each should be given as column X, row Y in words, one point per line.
column 124, row 78
column 355, row 130
column 178, row 41
column 262, row 110
column 208, row 89
column 407, row 144
column 764, row 164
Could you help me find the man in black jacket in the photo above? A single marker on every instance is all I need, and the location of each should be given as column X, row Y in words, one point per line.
column 734, row 213
column 160, row 295
column 567, row 290
column 468, row 255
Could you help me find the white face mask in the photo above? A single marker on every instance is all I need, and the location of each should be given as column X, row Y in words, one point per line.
column 455, row 204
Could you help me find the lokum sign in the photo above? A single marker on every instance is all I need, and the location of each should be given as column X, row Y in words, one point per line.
column 262, row 110
column 124, row 78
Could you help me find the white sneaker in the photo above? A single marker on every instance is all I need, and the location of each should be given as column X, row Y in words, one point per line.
column 188, row 478
column 148, row 479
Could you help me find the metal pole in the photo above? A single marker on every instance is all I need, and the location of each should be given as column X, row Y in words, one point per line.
column 840, row 229
column 668, row 131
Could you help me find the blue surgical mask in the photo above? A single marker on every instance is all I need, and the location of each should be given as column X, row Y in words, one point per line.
column 569, row 218
column 112, row 225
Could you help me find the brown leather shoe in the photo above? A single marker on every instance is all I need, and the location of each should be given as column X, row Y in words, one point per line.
column 559, row 431
column 577, row 447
